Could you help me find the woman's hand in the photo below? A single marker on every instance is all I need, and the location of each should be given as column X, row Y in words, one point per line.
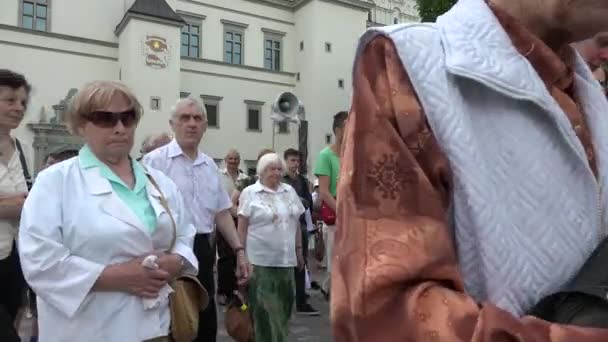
column 172, row 263
column 133, row 278
column 244, row 269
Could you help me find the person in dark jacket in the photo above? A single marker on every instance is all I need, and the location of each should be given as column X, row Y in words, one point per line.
column 302, row 187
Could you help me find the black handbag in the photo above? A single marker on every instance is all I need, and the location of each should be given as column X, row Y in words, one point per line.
column 584, row 301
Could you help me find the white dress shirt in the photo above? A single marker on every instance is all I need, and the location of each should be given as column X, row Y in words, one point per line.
column 12, row 182
column 198, row 181
column 274, row 217
column 229, row 182
column 73, row 225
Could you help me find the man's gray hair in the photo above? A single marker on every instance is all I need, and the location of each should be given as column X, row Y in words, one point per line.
column 154, row 141
column 231, row 152
column 191, row 100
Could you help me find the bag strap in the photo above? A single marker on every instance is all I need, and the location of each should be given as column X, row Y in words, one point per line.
column 163, row 202
column 26, row 172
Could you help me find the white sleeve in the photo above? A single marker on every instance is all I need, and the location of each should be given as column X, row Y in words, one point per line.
column 59, row 278
column 308, row 218
column 245, row 204
column 223, row 198
column 299, row 210
column 185, row 231
column 153, row 160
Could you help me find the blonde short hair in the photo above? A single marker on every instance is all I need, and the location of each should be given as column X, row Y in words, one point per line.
column 94, row 96
column 268, row 159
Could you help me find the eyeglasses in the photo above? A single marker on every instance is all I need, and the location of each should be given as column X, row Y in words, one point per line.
column 105, row 119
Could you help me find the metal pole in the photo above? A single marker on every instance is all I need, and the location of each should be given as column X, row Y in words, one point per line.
column 274, row 124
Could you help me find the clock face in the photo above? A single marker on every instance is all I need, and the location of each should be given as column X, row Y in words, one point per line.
column 156, row 52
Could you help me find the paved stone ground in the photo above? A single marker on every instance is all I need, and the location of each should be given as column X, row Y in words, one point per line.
column 301, row 328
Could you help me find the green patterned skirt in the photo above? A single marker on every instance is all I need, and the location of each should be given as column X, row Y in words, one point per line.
column 271, row 299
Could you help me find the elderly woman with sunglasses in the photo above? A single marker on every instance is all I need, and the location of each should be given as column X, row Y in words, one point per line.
column 90, row 221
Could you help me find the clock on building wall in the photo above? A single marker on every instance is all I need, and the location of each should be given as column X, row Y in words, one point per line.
column 156, row 52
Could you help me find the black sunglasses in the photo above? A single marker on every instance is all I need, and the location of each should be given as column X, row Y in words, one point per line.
column 110, row 119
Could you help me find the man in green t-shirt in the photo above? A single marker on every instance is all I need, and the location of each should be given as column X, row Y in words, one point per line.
column 327, row 170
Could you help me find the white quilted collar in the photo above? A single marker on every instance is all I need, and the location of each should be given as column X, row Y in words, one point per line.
column 476, row 46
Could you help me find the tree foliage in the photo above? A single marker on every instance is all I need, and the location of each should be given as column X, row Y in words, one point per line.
column 429, row 10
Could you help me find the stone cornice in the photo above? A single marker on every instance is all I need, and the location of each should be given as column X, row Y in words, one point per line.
column 295, row 4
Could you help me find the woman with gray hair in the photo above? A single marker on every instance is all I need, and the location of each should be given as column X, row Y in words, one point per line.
column 268, row 224
column 89, row 223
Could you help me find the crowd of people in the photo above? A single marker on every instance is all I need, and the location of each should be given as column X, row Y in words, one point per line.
column 79, row 235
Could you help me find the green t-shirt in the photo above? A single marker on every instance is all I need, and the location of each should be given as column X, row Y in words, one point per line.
column 328, row 164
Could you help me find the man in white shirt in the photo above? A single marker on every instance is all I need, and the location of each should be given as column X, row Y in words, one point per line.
column 14, row 97
column 226, row 263
column 197, row 178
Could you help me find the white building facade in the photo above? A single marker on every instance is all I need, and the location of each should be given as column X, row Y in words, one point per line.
column 237, row 55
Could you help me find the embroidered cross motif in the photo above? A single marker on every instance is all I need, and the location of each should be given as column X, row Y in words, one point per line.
column 389, row 176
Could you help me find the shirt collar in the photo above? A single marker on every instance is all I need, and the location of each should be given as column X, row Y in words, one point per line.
column 241, row 175
column 175, row 150
column 259, row 187
column 88, row 160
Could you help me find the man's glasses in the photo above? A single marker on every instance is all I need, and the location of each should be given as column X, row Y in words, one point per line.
column 110, row 119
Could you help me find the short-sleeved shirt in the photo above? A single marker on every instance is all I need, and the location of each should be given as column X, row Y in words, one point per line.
column 136, row 199
column 230, row 184
column 273, row 223
column 198, row 180
column 328, row 164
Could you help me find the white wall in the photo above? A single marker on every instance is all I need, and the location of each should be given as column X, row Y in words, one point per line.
column 321, row 70
column 94, row 19
column 146, row 81
column 9, row 12
column 51, row 74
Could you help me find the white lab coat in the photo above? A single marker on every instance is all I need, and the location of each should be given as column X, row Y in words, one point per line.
column 72, row 226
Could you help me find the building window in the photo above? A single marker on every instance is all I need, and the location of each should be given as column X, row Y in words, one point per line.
column 369, row 16
column 253, row 119
column 298, row 76
column 155, row 103
column 302, row 46
column 191, row 39
column 328, row 138
column 212, row 107
column 272, row 54
column 327, row 47
column 34, row 14
column 283, row 127
column 234, row 41
column 341, row 83
column 212, row 121
column 233, row 44
column 254, row 115
column 395, row 21
column 183, row 94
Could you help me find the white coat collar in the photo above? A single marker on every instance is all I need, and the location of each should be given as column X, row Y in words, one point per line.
column 112, row 204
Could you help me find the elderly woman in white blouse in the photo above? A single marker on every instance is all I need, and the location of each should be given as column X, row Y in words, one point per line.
column 268, row 222
column 89, row 222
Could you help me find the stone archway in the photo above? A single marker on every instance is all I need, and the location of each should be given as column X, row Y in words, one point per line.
column 53, row 136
